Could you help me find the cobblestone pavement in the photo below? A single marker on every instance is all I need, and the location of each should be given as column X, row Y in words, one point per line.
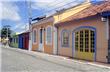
column 15, row 61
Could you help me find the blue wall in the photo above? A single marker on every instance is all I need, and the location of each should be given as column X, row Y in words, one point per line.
column 20, row 45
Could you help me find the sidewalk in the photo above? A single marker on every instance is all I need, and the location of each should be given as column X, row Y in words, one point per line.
column 58, row 59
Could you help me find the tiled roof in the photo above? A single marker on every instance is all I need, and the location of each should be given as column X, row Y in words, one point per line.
column 90, row 11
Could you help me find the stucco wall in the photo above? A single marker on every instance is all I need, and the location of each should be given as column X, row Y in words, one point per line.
column 101, row 40
column 70, row 12
column 47, row 48
column 35, row 45
column 14, row 45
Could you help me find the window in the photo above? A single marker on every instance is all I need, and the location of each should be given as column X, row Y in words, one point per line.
column 49, row 35
column 84, row 40
column 81, row 41
column 34, row 36
column 41, row 36
column 65, row 38
column 92, row 41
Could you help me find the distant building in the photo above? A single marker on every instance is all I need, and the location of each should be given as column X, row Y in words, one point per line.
column 14, row 41
column 23, row 40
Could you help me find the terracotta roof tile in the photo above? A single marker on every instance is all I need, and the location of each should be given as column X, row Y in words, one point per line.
column 90, row 11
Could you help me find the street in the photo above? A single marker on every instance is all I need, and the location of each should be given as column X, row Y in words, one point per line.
column 15, row 61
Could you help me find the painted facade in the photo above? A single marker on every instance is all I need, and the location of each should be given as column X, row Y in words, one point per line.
column 82, row 29
column 14, row 41
column 82, row 32
column 60, row 16
column 23, row 40
column 43, row 25
column 42, row 36
column 20, row 44
column 86, row 34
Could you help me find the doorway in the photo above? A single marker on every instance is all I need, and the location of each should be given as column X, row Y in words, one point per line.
column 84, row 43
column 41, row 41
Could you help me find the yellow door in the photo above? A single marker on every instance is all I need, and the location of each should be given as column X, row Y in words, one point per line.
column 84, row 44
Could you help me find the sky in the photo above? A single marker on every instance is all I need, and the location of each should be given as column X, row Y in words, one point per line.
column 16, row 14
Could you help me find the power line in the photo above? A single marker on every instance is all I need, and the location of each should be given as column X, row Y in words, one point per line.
column 72, row 6
column 74, row 9
column 53, row 9
column 68, row 4
column 29, row 12
column 61, row 6
column 53, row 5
column 47, row 4
column 60, row 2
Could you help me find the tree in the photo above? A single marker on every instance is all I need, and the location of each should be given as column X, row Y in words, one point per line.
column 6, row 31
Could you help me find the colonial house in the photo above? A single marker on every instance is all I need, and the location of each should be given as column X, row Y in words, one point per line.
column 86, row 34
column 44, row 33
column 81, row 32
column 23, row 40
column 14, row 41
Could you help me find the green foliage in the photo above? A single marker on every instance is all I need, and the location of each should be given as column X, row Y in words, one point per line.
column 6, row 31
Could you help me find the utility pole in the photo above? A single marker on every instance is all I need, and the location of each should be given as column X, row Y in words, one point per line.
column 29, row 20
column 28, row 5
column 29, row 14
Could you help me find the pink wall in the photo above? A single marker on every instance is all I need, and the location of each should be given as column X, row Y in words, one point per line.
column 101, row 40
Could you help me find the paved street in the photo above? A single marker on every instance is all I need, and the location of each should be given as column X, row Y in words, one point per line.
column 16, row 61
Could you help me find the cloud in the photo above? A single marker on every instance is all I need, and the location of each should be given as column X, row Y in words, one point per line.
column 50, row 6
column 9, row 11
column 11, row 0
column 46, row 1
column 21, row 27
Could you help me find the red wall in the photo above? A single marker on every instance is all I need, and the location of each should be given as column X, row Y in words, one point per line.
column 26, row 40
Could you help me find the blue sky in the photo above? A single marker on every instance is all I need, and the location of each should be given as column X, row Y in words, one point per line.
column 15, row 13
